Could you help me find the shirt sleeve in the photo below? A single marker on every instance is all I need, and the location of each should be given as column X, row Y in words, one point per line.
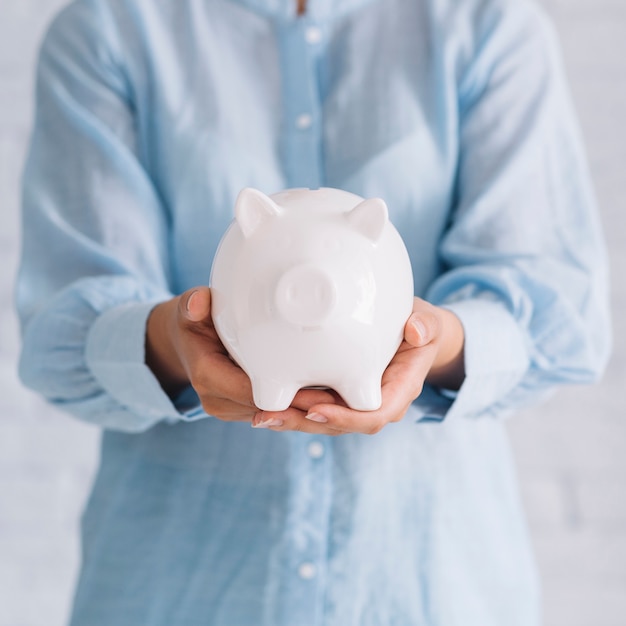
column 525, row 261
column 95, row 231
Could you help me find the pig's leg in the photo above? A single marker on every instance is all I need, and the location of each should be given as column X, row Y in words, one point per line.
column 273, row 395
column 362, row 395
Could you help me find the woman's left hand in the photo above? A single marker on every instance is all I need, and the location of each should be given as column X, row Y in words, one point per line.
column 432, row 351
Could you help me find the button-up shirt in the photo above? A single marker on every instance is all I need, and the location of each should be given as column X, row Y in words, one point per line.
column 150, row 117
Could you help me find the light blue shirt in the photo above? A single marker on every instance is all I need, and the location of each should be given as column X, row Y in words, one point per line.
column 151, row 116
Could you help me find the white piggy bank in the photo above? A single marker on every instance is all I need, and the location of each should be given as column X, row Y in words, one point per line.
column 311, row 288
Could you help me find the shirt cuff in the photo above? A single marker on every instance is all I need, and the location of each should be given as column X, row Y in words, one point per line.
column 495, row 356
column 115, row 354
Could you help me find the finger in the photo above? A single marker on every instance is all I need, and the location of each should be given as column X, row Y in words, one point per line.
column 421, row 328
column 210, row 370
column 228, row 411
column 291, row 420
column 342, row 419
column 231, row 384
column 195, row 304
column 306, row 398
column 402, row 383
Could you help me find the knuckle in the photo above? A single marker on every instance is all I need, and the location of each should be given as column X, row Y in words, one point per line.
column 211, row 407
column 211, row 404
column 376, row 427
column 399, row 416
column 434, row 322
column 200, row 384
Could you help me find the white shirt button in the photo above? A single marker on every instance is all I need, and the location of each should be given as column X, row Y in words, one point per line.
column 307, row 571
column 304, row 121
column 313, row 35
column 316, row 450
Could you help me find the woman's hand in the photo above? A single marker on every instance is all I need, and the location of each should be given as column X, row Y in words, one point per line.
column 182, row 348
column 432, row 351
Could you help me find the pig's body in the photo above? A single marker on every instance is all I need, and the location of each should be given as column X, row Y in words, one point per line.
column 308, row 291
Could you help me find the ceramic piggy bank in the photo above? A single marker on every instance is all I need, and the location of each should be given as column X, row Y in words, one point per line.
column 311, row 288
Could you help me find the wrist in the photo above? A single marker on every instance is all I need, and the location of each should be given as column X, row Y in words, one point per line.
column 448, row 368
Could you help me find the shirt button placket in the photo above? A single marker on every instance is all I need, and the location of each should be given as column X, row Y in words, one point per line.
column 300, row 47
column 306, row 541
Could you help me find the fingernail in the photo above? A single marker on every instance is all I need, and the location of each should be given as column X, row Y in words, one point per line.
column 270, row 423
column 316, row 417
column 189, row 299
column 419, row 327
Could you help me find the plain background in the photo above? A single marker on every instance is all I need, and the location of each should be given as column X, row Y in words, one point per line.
column 571, row 452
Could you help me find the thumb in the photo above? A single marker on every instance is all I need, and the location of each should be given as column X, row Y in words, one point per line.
column 195, row 304
column 421, row 328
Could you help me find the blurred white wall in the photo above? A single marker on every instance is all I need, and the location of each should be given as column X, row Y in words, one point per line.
column 570, row 452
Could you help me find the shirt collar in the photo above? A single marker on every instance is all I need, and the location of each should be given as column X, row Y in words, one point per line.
column 317, row 10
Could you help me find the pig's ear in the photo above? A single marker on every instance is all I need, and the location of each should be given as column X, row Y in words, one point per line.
column 369, row 218
column 253, row 209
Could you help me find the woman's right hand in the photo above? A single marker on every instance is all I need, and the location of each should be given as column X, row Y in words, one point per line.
column 182, row 348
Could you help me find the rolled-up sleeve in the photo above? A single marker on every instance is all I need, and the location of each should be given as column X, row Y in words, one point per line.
column 95, row 242
column 525, row 263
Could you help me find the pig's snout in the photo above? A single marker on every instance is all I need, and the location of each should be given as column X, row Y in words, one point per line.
column 305, row 296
